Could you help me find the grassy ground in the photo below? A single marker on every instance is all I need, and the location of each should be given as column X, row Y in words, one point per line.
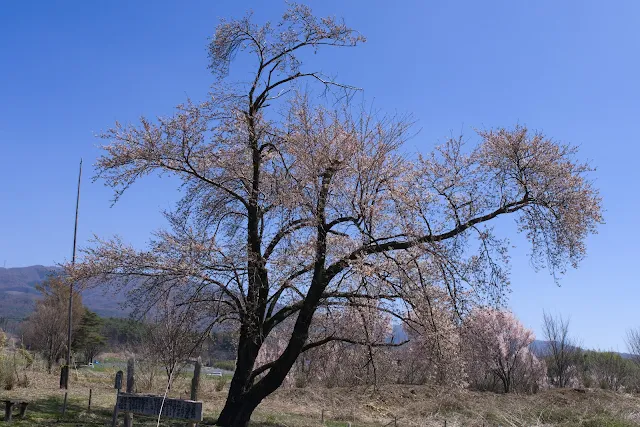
column 363, row 407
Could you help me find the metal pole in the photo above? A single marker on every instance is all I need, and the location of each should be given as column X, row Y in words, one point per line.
column 70, row 313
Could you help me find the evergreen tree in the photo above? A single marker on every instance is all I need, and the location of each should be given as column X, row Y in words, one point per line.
column 89, row 339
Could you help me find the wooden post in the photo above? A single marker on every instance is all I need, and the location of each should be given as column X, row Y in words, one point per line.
column 114, row 420
column 128, row 416
column 89, row 407
column 64, row 376
column 64, row 383
column 322, row 417
column 8, row 410
column 117, row 386
column 195, row 383
column 23, row 409
column 130, row 375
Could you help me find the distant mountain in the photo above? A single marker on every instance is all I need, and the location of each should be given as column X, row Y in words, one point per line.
column 541, row 348
column 18, row 293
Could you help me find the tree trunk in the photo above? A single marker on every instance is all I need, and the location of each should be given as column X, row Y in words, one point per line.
column 168, row 372
column 506, row 382
column 50, row 358
column 240, row 406
column 241, row 402
column 235, row 405
column 245, row 396
column 241, row 414
column 560, row 381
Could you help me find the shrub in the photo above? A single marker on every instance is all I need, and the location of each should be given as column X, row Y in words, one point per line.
column 23, row 381
column 28, row 357
column 227, row 365
column 7, row 369
column 219, row 383
column 146, row 375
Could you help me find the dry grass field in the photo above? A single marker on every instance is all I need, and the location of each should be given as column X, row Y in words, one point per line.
column 409, row 405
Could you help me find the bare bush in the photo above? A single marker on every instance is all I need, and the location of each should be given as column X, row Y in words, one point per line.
column 633, row 344
column 219, row 384
column 146, row 373
column 607, row 370
column 562, row 351
column 172, row 337
column 7, row 373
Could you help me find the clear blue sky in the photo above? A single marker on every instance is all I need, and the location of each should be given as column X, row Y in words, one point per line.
column 571, row 68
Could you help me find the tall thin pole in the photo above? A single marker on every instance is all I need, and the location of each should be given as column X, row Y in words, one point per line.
column 73, row 263
column 70, row 313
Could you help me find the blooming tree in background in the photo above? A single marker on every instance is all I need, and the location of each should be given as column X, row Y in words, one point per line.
column 497, row 348
column 363, row 355
column 297, row 207
column 433, row 353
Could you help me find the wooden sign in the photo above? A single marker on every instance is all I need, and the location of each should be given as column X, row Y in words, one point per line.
column 118, row 384
column 150, row 405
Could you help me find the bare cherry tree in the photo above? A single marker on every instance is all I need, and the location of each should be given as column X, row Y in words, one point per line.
column 45, row 330
column 174, row 335
column 292, row 208
column 562, row 350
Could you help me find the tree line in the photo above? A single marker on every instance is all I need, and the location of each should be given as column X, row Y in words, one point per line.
column 489, row 350
column 45, row 331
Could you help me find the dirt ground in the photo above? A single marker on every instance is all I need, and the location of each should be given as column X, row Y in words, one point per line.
column 360, row 406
